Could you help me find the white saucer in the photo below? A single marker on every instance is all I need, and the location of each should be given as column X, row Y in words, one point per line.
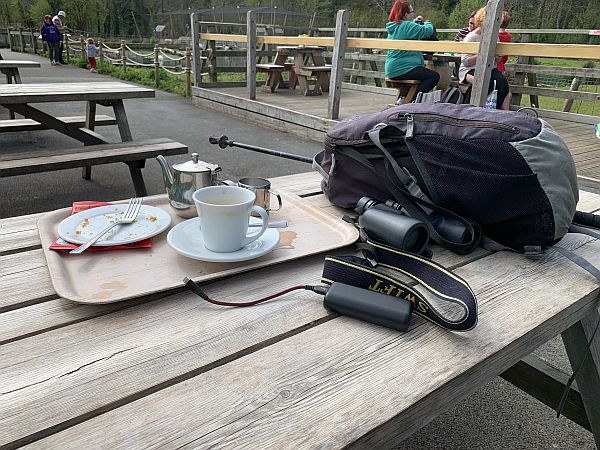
column 186, row 239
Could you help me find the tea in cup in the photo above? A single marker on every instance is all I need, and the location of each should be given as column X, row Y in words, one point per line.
column 224, row 213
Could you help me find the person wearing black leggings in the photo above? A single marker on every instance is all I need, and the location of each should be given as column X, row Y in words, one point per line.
column 404, row 64
column 466, row 72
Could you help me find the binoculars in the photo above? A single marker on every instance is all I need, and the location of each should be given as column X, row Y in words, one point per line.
column 387, row 223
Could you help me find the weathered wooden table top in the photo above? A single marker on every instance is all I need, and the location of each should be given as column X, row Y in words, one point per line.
column 172, row 370
column 56, row 92
column 10, row 64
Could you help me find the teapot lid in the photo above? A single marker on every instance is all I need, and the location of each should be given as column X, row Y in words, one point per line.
column 195, row 166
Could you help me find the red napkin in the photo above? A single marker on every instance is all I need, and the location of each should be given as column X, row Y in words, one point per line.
column 60, row 244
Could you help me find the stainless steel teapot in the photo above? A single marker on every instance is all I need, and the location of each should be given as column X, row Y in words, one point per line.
column 184, row 180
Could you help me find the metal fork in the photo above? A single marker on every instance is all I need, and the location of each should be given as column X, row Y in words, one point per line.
column 133, row 208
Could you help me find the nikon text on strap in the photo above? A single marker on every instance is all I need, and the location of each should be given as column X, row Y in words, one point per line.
column 456, row 308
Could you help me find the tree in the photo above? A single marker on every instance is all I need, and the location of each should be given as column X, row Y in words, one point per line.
column 38, row 10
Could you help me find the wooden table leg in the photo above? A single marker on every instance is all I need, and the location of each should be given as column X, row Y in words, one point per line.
column 17, row 76
column 90, row 123
column 576, row 340
column 122, row 123
column 135, row 170
column 9, row 80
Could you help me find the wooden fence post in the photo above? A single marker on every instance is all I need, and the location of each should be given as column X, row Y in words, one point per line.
column 66, row 47
column 82, row 46
column 487, row 51
column 196, row 53
column 337, row 65
column 34, row 42
column 188, row 72
column 156, row 68
column 123, row 56
column 569, row 102
column 251, row 55
column 212, row 61
column 100, row 53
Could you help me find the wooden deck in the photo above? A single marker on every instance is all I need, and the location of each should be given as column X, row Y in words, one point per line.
column 290, row 111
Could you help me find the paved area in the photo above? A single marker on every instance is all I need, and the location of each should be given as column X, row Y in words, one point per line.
column 496, row 417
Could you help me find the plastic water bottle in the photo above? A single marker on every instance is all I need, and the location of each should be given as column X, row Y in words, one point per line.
column 492, row 98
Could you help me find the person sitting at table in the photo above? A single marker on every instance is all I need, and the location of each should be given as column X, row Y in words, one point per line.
column 51, row 36
column 462, row 33
column 504, row 36
column 405, row 64
column 466, row 72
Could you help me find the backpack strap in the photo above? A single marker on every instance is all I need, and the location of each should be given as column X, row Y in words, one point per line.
column 455, row 305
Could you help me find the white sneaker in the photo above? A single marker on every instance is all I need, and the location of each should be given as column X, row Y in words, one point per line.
column 93, row 70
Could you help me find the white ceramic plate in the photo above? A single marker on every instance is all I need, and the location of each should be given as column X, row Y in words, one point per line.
column 81, row 227
column 186, row 239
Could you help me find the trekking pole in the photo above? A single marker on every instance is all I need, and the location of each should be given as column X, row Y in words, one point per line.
column 224, row 142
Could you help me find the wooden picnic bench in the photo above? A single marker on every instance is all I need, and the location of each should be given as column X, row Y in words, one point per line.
column 134, row 154
column 274, row 78
column 170, row 370
column 17, row 125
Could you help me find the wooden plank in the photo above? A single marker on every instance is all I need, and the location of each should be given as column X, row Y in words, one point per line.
column 487, row 52
column 196, row 52
column 19, row 233
column 553, row 70
column 6, row 63
column 555, row 93
column 339, row 48
column 251, row 55
column 575, row 51
column 343, row 382
column 59, row 92
column 96, row 155
column 18, row 125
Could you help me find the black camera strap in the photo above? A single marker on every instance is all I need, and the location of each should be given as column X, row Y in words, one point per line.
column 450, row 302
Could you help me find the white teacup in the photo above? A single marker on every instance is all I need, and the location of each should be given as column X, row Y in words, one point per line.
column 224, row 214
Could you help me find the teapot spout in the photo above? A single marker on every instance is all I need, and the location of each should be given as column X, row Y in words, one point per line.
column 166, row 171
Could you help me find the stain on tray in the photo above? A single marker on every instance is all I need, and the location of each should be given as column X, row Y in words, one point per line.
column 108, row 289
column 286, row 239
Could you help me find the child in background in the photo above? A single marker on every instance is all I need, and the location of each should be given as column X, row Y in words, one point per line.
column 92, row 51
column 51, row 36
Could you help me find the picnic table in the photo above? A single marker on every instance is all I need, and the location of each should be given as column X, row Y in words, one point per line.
column 11, row 70
column 170, row 370
column 308, row 61
column 19, row 98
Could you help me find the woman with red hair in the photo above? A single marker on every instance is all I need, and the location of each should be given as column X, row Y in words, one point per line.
column 405, row 64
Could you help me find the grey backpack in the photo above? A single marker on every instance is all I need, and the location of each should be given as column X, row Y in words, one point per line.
column 508, row 172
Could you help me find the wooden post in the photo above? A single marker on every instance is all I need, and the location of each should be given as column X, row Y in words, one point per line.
column 251, row 55
column 487, row 51
column 34, row 42
column 196, row 53
column 100, row 54
column 21, row 40
column 337, row 64
column 212, row 60
column 520, row 76
column 156, row 68
column 188, row 72
column 569, row 102
column 123, row 56
column 82, row 46
column 66, row 48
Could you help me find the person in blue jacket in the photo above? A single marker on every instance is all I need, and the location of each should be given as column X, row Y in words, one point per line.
column 51, row 36
column 406, row 64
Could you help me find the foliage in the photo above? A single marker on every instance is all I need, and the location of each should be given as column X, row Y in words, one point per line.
column 38, row 10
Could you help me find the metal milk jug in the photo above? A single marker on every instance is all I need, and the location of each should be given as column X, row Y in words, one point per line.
column 184, row 180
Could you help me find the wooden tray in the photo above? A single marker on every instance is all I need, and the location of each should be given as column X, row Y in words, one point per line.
column 112, row 276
